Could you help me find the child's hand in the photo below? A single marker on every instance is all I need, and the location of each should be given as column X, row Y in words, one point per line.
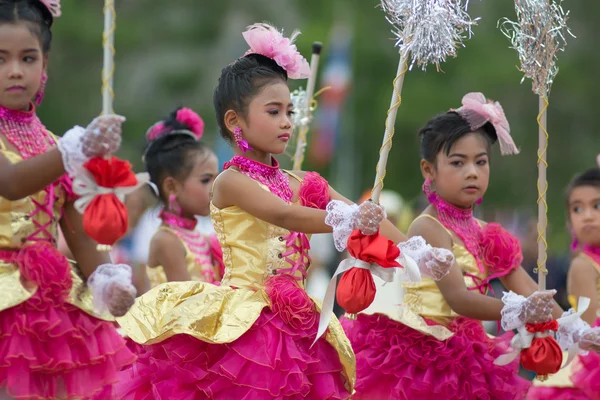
column 538, row 307
column 119, row 298
column 369, row 217
column 590, row 340
column 112, row 289
column 102, row 136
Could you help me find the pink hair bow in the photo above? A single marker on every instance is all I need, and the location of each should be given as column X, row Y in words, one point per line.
column 477, row 111
column 266, row 40
column 183, row 115
column 53, row 6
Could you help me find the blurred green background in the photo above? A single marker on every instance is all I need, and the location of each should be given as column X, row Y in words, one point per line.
column 170, row 53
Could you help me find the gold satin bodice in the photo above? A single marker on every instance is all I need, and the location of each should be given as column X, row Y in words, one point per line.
column 15, row 221
column 253, row 250
column 16, row 225
column 425, row 299
column 157, row 275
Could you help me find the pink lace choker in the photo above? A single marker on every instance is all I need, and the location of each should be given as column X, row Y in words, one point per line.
column 461, row 222
column 176, row 220
column 593, row 252
column 25, row 131
column 270, row 176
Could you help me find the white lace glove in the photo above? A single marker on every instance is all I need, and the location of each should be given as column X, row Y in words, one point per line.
column 112, row 289
column 370, row 216
column 433, row 262
column 589, row 340
column 519, row 310
column 102, row 137
column 344, row 218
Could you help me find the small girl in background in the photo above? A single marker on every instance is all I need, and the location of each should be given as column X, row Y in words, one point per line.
column 183, row 168
column 581, row 379
column 53, row 344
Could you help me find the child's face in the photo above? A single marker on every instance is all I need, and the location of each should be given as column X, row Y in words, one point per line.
column 462, row 176
column 268, row 125
column 194, row 194
column 584, row 214
column 22, row 63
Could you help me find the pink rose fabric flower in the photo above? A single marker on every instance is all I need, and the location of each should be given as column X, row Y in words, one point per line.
column 291, row 302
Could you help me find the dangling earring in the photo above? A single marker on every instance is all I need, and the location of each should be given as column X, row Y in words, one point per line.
column 241, row 143
column 39, row 96
column 574, row 242
column 479, row 201
column 174, row 206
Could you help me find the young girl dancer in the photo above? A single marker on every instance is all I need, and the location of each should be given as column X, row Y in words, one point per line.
column 434, row 345
column 252, row 337
column 183, row 168
column 581, row 379
column 52, row 344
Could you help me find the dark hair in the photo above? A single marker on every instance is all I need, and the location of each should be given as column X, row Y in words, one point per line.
column 240, row 82
column 442, row 131
column 590, row 177
column 32, row 11
column 173, row 154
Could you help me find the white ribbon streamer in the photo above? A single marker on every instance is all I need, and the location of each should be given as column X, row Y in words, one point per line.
column 85, row 186
column 386, row 274
column 523, row 339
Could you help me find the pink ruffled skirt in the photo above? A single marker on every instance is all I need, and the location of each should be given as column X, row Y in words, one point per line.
column 272, row 360
column 49, row 348
column 396, row 362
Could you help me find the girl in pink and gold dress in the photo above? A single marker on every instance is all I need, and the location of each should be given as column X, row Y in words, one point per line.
column 434, row 345
column 255, row 335
column 53, row 343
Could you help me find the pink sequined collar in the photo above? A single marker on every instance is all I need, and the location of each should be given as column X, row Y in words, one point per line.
column 593, row 252
column 176, row 220
column 269, row 175
column 460, row 221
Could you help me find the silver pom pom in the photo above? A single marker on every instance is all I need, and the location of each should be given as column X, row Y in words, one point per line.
column 537, row 36
column 429, row 31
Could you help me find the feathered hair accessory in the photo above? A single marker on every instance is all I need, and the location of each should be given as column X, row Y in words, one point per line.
column 53, row 6
column 266, row 40
column 477, row 111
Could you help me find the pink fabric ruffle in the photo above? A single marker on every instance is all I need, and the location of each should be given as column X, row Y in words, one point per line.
column 501, row 252
column 586, row 373
column 314, row 191
column 554, row 393
column 400, row 363
column 271, row 360
column 51, row 349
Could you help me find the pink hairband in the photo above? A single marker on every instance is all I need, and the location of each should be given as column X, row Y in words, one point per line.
column 266, row 40
column 53, row 6
column 478, row 111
